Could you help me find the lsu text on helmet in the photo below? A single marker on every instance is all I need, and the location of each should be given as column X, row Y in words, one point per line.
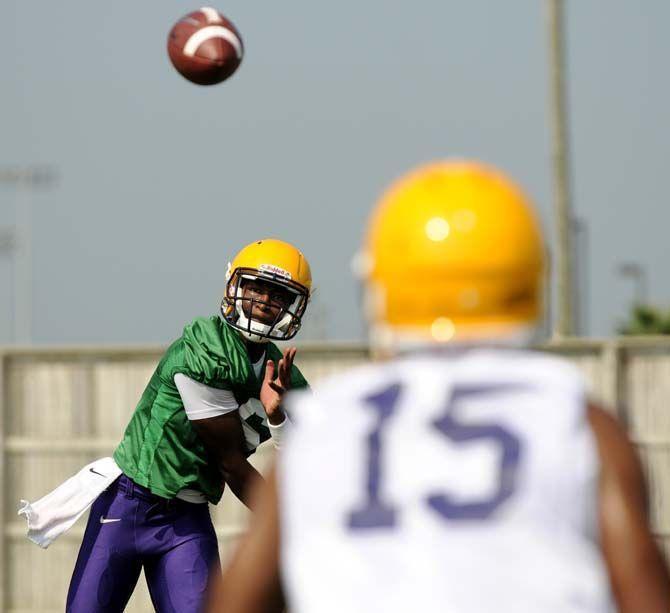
column 273, row 263
column 453, row 254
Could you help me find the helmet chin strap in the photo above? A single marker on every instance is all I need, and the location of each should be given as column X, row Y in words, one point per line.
column 251, row 329
column 254, row 330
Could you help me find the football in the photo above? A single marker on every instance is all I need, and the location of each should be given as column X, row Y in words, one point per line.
column 205, row 47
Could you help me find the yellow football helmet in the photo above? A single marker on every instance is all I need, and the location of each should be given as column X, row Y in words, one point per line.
column 453, row 253
column 277, row 263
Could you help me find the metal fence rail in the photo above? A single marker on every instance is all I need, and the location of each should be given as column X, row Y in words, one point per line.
column 61, row 408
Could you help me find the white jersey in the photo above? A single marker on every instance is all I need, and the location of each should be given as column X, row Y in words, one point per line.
column 462, row 483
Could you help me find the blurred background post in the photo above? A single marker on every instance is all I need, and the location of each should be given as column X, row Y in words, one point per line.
column 635, row 272
column 558, row 118
column 17, row 241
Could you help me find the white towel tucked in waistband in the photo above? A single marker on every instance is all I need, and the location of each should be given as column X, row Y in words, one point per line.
column 55, row 513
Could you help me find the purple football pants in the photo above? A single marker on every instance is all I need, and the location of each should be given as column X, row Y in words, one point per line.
column 128, row 529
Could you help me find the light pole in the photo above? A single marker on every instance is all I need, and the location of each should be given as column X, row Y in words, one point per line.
column 565, row 325
column 636, row 272
column 19, row 241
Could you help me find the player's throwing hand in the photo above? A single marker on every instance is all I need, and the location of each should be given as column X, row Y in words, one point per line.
column 276, row 383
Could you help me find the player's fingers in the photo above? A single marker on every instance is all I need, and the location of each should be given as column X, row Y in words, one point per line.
column 290, row 355
column 269, row 371
column 285, row 373
column 280, row 389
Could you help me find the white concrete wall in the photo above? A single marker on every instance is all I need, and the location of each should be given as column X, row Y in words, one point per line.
column 62, row 408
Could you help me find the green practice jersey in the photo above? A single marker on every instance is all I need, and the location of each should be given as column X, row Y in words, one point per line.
column 160, row 449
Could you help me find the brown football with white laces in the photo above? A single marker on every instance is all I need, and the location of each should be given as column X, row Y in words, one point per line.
column 205, row 47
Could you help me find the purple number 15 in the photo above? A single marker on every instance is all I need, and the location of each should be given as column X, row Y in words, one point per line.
column 378, row 513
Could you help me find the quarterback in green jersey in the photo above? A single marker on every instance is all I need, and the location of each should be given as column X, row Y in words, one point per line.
column 214, row 397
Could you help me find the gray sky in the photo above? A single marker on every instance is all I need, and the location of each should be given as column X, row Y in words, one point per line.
column 162, row 181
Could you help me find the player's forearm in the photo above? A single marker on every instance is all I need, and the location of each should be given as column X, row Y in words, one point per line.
column 646, row 586
column 240, row 476
column 251, row 580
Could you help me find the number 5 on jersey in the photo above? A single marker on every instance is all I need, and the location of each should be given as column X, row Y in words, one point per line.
column 378, row 513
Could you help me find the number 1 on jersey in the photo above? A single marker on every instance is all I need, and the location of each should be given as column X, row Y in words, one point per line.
column 375, row 513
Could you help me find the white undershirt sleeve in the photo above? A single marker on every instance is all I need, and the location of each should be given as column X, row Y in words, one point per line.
column 278, row 433
column 201, row 401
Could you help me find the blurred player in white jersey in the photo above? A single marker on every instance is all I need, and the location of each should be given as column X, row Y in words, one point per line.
column 467, row 474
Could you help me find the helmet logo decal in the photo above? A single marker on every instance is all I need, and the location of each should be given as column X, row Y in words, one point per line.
column 274, row 270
